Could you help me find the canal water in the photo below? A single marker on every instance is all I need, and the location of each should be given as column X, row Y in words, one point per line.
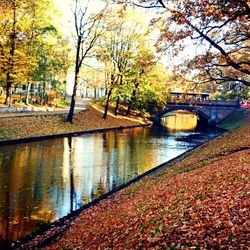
column 43, row 181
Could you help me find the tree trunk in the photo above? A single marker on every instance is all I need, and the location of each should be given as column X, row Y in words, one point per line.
column 117, row 105
column 8, row 90
column 131, row 102
column 133, row 98
column 95, row 93
column 77, row 70
column 129, row 108
column 106, row 82
column 43, row 99
column 108, row 96
column 118, row 99
column 107, row 104
column 20, row 97
column 27, row 94
column 73, row 101
column 41, row 96
column 72, row 107
column 65, row 89
column 9, row 79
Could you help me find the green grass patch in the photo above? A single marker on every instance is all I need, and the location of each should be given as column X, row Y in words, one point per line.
column 235, row 120
column 63, row 103
column 2, row 133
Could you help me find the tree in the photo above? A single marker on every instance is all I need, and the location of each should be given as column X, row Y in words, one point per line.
column 230, row 91
column 88, row 28
column 152, row 86
column 220, row 27
column 43, row 43
column 144, row 63
column 93, row 79
column 24, row 27
column 118, row 50
column 9, row 29
column 52, row 64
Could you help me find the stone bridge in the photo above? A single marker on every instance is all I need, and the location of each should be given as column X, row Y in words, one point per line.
column 209, row 111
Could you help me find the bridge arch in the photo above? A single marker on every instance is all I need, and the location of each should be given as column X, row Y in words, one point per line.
column 203, row 118
column 211, row 112
column 191, row 109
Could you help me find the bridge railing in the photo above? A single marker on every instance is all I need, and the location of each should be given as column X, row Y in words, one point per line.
column 204, row 103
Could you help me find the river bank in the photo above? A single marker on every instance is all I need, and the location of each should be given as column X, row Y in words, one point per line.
column 200, row 201
column 18, row 129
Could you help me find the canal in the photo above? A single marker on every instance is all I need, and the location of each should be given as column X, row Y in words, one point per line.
column 43, row 181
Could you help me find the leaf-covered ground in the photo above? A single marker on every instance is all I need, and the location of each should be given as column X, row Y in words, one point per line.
column 200, row 202
column 36, row 126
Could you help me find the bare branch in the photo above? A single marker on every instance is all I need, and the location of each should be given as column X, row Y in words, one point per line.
column 146, row 7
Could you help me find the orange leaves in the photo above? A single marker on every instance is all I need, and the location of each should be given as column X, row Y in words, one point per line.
column 212, row 10
column 174, row 36
column 205, row 207
column 34, row 126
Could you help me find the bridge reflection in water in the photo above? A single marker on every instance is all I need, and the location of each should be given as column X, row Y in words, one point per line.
column 180, row 120
column 43, row 181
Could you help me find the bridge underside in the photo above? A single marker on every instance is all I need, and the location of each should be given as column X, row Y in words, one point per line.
column 208, row 114
column 202, row 119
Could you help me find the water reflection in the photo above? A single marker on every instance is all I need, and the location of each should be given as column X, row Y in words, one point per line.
column 180, row 120
column 43, row 181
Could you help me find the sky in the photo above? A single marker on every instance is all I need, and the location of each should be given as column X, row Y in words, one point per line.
column 64, row 6
column 67, row 25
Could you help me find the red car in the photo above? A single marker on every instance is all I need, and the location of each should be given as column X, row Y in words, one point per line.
column 245, row 105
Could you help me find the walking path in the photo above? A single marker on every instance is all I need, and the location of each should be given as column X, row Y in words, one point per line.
column 81, row 105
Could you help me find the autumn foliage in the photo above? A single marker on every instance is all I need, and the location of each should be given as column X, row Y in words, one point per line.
column 219, row 29
column 199, row 202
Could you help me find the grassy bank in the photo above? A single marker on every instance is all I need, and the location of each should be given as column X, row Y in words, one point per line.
column 198, row 202
column 236, row 120
column 37, row 126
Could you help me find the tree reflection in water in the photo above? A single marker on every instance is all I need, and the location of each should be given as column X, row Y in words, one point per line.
column 43, row 181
